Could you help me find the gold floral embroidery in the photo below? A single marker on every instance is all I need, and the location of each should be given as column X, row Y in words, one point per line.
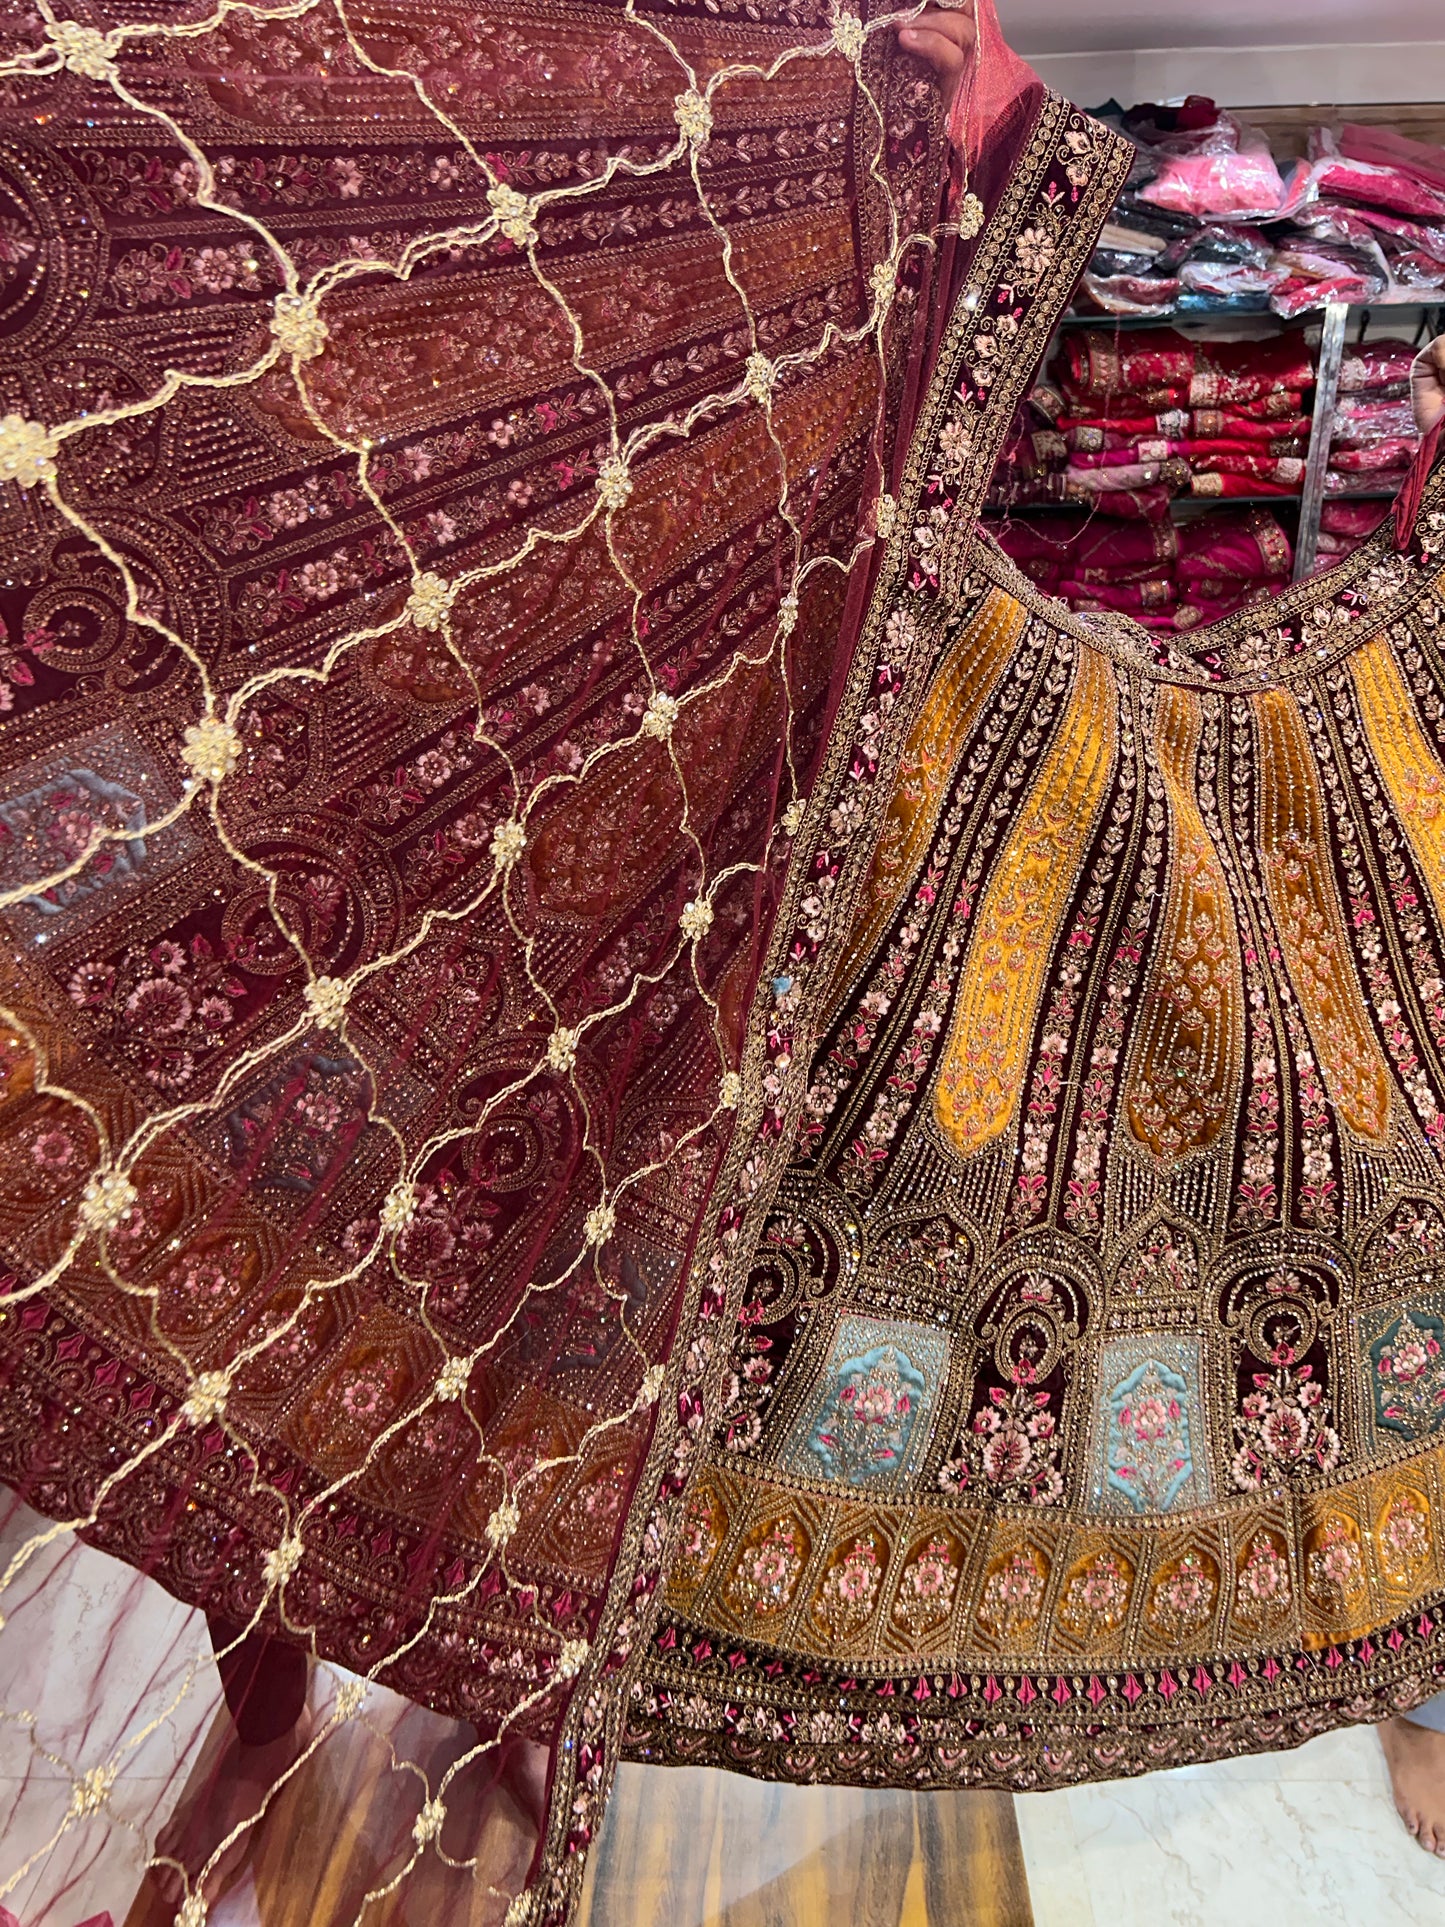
column 1191, row 1046
column 1019, row 917
column 1310, row 920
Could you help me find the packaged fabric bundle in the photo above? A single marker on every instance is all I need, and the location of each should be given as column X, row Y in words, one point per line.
column 1378, row 365
column 1373, row 439
column 1244, row 182
column 1344, row 526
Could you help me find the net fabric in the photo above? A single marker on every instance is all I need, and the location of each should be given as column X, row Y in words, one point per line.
column 440, row 461
column 434, row 461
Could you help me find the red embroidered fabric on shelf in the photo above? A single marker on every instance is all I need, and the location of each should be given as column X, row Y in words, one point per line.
column 1169, row 576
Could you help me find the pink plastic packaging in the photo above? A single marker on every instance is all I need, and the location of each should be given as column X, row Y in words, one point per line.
column 1244, row 185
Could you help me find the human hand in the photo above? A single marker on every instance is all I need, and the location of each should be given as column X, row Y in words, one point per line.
column 943, row 36
column 1427, row 385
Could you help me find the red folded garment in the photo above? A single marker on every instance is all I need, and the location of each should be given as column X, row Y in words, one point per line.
column 1229, row 486
column 1246, row 545
column 1260, row 457
column 1103, row 363
column 1376, row 364
column 1288, row 471
column 1302, row 292
column 1130, row 596
column 1233, row 425
column 1379, row 186
column 1395, row 452
column 1231, row 371
column 1358, row 519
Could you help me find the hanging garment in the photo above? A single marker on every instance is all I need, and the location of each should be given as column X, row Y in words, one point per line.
column 644, row 1097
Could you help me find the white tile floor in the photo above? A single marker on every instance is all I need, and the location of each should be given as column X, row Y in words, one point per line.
column 96, row 1654
column 1303, row 1839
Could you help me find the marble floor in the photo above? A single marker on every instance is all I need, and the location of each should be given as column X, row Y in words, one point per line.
column 94, row 1659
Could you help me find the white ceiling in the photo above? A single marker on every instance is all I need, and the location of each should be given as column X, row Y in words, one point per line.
column 1084, row 26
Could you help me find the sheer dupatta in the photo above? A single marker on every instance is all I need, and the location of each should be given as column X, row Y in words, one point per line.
column 448, row 470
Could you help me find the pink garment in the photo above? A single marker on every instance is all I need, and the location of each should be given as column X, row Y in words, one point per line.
column 1090, row 481
column 1366, row 420
column 1243, row 185
column 1383, row 147
column 1245, row 545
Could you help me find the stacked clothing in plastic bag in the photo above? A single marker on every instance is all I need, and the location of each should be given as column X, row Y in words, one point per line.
column 1373, row 439
column 1210, row 224
column 1344, row 526
column 1166, row 576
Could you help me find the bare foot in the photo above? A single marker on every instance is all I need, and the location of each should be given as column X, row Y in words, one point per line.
column 1415, row 1756
column 232, row 1791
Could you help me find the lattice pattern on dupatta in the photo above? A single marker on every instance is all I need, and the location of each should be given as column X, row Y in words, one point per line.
column 442, row 462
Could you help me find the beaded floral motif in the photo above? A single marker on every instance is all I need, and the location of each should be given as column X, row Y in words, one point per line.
column 766, row 1572
column 1149, row 1453
column 1335, row 1566
column 927, row 1588
column 1012, row 1449
column 1263, row 1590
column 1096, row 1596
column 868, row 1417
column 849, row 1592
column 1013, row 1595
column 703, row 1526
column 1282, row 1429
column 1404, row 1539
column 1181, row 1603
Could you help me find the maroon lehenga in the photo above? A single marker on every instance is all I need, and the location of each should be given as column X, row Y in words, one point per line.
column 644, row 1097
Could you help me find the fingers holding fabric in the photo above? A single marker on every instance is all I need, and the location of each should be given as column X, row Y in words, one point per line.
column 943, row 36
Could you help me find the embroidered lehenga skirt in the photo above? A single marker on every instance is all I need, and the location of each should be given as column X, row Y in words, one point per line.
column 643, row 1097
